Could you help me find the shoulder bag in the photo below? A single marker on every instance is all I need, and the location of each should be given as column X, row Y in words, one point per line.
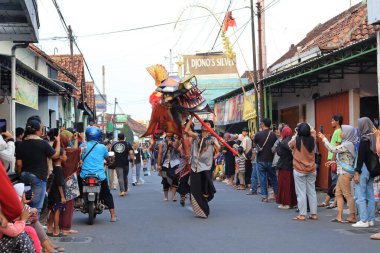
column 258, row 148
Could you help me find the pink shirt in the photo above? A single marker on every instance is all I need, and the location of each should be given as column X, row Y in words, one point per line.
column 13, row 229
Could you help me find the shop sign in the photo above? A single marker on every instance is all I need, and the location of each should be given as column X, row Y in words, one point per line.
column 26, row 93
column 208, row 64
column 100, row 102
column 121, row 118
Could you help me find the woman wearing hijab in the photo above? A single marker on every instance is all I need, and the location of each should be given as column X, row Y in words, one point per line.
column 345, row 160
column 364, row 182
column 70, row 167
column 303, row 146
column 286, row 195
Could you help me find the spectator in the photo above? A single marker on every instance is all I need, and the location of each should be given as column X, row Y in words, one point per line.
column 345, row 160
column 122, row 149
column 247, row 147
column 364, row 193
column 7, row 155
column 264, row 141
column 304, row 171
column 32, row 154
column 240, row 162
column 286, row 197
column 70, row 167
column 137, row 154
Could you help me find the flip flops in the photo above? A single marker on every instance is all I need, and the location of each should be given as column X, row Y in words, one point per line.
column 299, row 218
column 339, row 221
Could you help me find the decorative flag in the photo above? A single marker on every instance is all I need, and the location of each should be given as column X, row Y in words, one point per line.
column 228, row 21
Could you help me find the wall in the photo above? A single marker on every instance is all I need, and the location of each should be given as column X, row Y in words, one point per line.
column 5, row 112
column 24, row 112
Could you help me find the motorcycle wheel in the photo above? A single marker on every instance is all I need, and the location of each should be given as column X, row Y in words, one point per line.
column 91, row 213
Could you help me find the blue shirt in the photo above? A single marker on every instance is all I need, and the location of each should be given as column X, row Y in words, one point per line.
column 94, row 162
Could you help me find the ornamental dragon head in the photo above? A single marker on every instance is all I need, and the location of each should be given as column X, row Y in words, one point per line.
column 172, row 101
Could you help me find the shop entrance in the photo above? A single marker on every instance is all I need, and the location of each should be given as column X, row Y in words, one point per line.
column 325, row 108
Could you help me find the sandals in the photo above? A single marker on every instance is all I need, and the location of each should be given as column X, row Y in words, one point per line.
column 323, row 204
column 331, row 206
column 299, row 218
column 182, row 201
column 339, row 221
column 313, row 217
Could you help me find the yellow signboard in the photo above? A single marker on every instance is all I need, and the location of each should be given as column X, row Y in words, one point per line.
column 26, row 93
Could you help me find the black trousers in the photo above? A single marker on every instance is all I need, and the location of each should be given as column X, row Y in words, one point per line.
column 105, row 193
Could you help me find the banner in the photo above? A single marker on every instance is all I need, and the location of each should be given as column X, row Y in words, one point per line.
column 208, row 64
column 249, row 109
column 121, row 118
column 26, row 93
column 100, row 103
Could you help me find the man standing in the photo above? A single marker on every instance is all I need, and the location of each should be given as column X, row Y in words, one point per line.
column 264, row 141
column 122, row 149
column 137, row 154
column 202, row 189
column 246, row 143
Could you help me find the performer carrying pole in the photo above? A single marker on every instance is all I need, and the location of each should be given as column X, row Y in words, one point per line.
column 203, row 148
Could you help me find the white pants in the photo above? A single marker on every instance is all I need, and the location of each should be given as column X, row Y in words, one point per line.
column 136, row 170
column 305, row 189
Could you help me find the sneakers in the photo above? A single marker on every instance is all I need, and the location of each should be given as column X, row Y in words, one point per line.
column 251, row 193
column 284, row 207
column 361, row 224
column 371, row 223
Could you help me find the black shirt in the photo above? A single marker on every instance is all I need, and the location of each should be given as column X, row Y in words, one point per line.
column 121, row 149
column 364, row 155
column 266, row 155
column 58, row 181
column 286, row 156
column 34, row 154
column 138, row 154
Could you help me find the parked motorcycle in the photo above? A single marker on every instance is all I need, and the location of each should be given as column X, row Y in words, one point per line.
column 91, row 197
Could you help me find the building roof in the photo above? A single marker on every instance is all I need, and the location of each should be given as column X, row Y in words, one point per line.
column 136, row 126
column 342, row 30
column 75, row 64
column 89, row 95
column 52, row 62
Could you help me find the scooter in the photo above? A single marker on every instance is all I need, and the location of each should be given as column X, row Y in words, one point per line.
column 91, row 197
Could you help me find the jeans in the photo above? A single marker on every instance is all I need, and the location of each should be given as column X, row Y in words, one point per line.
column 364, row 194
column 38, row 188
column 136, row 169
column 254, row 178
column 305, row 189
column 265, row 169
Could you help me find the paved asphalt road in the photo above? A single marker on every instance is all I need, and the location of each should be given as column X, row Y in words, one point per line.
column 238, row 223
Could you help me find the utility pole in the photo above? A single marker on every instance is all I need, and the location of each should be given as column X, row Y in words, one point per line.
column 114, row 120
column 254, row 62
column 104, row 92
column 71, row 68
column 261, row 67
column 171, row 62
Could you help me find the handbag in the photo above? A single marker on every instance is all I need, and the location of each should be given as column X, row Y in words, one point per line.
column 258, row 148
column 373, row 165
column 346, row 167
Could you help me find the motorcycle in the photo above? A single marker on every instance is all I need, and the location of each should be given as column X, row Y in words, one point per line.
column 91, row 197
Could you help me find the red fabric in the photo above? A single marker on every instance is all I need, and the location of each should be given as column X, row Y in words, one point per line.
column 155, row 98
column 66, row 220
column 286, row 132
column 10, row 203
column 228, row 21
column 33, row 234
column 286, row 193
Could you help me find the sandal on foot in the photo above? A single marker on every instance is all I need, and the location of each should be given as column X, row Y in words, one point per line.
column 323, row 204
column 331, row 207
column 338, row 221
column 299, row 218
column 311, row 217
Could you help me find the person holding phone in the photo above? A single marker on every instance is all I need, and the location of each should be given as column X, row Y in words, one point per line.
column 7, row 154
column 31, row 161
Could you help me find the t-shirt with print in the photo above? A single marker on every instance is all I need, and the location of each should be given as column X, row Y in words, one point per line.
column 94, row 162
column 335, row 139
column 34, row 154
column 121, row 149
column 266, row 155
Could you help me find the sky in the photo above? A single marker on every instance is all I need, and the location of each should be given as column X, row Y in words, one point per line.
column 126, row 54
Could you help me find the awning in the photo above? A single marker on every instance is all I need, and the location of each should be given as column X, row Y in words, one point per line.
column 68, row 86
column 86, row 110
column 49, row 86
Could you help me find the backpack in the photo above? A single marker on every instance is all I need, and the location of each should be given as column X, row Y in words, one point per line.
column 373, row 165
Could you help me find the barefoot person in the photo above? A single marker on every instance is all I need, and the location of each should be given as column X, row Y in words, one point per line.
column 168, row 162
column 202, row 189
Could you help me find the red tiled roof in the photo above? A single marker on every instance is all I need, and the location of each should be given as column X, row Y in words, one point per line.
column 75, row 64
column 52, row 62
column 89, row 94
column 136, row 127
column 347, row 27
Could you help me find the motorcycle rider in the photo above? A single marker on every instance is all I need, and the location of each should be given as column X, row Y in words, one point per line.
column 94, row 163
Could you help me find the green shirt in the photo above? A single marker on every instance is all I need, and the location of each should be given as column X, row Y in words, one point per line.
column 335, row 139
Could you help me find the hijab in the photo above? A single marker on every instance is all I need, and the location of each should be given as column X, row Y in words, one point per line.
column 366, row 132
column 350, row 138
column 304, row 136
column 73, row 157
column 286, row 132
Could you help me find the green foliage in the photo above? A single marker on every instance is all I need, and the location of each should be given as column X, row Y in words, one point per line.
column 127, row 131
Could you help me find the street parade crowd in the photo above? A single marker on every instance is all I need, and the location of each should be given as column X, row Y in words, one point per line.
column 51, row 167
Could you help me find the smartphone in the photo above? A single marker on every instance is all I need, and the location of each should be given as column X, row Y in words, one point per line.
column 3, row 125
column 321, row 129
column 28, row 191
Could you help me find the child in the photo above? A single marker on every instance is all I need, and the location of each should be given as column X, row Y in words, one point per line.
column 219, row 168
column 56, row 200
column 240, row 164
